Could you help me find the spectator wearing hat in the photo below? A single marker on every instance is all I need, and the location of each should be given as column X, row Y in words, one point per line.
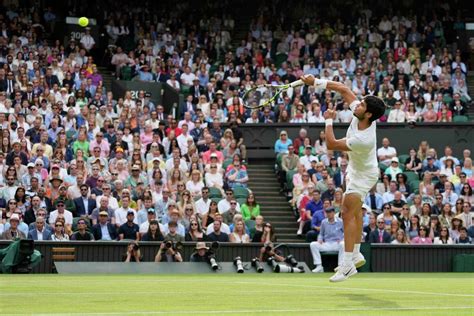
column 13, row 232
column 82, row 233
column 96, row 158
column 174, row 216
column 103, row 206
column 212, row 152
column 129, row 230
column 135, row 178
column 61, row 211
column 104, row 230
column 394, row 168
column 196, row 90
column 329, row 239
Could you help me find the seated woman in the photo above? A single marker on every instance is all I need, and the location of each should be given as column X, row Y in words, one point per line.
column 154, row 233
column 195, row 232
column 423, row 237
column 444, row 238
column 250, row 209
column 239, row 235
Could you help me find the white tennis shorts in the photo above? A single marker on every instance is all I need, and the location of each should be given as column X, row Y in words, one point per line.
column 360, row 184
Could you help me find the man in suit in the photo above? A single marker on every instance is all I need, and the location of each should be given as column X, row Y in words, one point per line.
column 104, row 230
column 51, row 79
column 188, row 106
column 84, row 204
column 13, row 231
column 196, row 90
column 380, row 235
column 41, row 231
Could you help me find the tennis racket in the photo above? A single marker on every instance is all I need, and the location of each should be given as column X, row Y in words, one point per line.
column 266, row 94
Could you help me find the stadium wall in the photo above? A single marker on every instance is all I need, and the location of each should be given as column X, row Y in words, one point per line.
column 260, row 138
column 381, row 258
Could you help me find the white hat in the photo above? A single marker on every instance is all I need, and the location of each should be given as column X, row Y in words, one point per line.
column 395, row 159
column 14, row 216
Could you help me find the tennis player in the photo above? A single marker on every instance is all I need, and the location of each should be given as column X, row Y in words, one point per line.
column 363, row 172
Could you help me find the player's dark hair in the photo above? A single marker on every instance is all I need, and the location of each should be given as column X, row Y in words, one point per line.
column 376, row 106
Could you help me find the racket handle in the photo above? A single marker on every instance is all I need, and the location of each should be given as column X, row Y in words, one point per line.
column 296, row 83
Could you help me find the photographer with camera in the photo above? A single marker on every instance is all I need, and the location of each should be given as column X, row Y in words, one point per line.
column 169, row 252
column 267, row 251
column 201, row 253
column 133, row 252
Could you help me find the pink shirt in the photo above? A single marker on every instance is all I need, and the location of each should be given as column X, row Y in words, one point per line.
column 420, row 240
column 104, row 147
column 206, row 156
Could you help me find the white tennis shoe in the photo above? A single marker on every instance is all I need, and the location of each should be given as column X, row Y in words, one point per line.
column 358, row 260
column 343, row 273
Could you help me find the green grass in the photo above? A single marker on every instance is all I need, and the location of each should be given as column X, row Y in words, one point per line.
column 233, row 294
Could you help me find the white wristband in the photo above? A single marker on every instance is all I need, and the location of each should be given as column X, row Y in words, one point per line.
column 320, row 83
column 328, row 122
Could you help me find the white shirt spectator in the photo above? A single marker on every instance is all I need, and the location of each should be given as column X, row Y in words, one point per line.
column 396, row 116
column 306, row 161
column 202, row 207
column 113, row 203
column 389, row 151
column 224, row 205
column 344, row 116
column 187, row 79
column 145, row 225
column 54, row 215
column 121, row 216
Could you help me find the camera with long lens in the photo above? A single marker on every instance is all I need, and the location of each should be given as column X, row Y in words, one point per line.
column 283, row 268
column 211, row 255
column 268, row 247
column 135, row 247
column 178, row 246
column 290, row 259
column 238, row 264
column 257, row 265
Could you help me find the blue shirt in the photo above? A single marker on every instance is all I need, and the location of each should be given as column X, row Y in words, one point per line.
column 317, row 219
column 331, row 232
column 281, row 147
column 314, row 206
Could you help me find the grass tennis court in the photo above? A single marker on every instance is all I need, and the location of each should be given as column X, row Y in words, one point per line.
column 276, row 294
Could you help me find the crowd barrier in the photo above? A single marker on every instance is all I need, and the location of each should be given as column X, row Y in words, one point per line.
column 380, row 257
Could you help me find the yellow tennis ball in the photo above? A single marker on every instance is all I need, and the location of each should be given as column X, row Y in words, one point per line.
column 83, row 21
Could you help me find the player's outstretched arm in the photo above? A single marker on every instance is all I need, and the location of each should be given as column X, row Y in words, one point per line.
column 345, row 92
column 331, row 142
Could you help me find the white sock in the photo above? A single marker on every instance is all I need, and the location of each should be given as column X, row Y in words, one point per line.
column 356, row 249
column 347, row 258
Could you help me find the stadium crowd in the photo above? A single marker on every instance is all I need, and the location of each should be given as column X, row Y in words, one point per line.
column 80, row 163
column 418, row 191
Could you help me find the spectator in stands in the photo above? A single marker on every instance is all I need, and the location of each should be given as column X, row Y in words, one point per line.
column 225, row 204
column 393, row 170
column 282, row 144
column 217, row 234
column 59, row 233
column 380, row 235
column 444, row 238
column 154, row 232
column 104, row 229
column 237, row 177
column 82, row 233
column 250, row 209
column 129, row 230
column 329, row 239
column 386, row 152
column 463, row 237
column 423, row 237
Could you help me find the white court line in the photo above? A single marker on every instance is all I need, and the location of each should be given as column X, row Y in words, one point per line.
column 363, row 289
column 260, row 311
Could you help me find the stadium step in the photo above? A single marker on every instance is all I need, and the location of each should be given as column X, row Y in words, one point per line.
column 274, row 206
column 107, row 78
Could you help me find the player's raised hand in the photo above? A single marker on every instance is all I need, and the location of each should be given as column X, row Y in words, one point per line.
column 308, row 79
column 329, row 114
